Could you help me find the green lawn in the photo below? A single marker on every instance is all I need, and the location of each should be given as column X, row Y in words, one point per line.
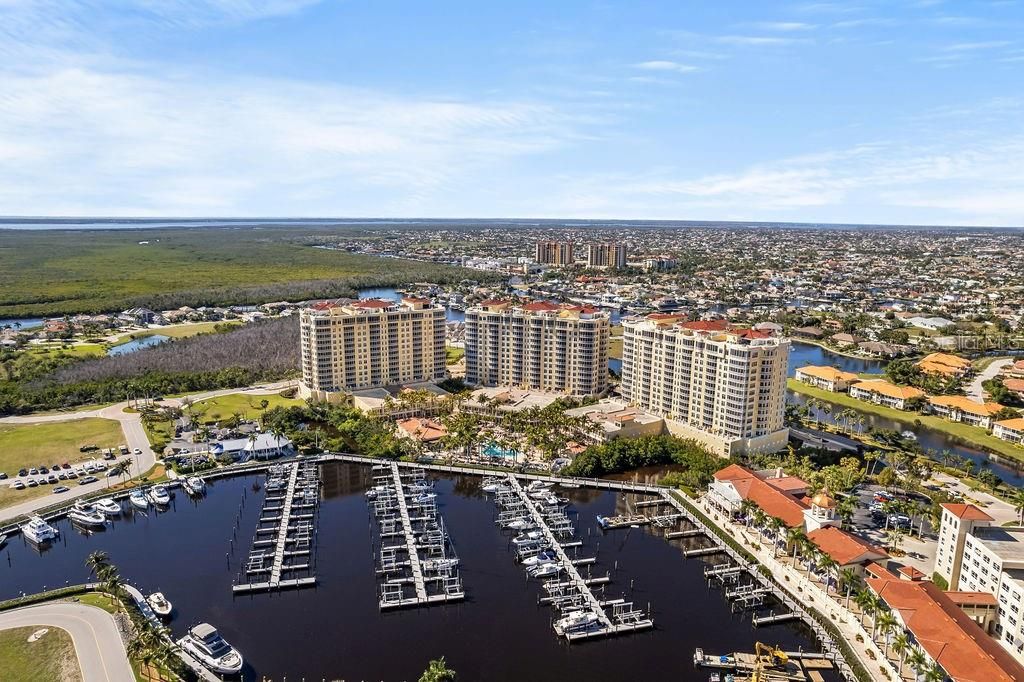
column 79, row 350
column 983, row 362
column 177, row 331
column 971, row 434
column 99, row 600
column 615, row 347
column 28, row 445
column 453, row 355
column 51, row 658
column 10, row 497
column 248, row 406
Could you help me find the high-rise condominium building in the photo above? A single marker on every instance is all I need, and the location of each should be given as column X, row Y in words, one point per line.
column 725, row 387
column 350, row 345
column 554, row 253
column 606, row 255
column 540, row 346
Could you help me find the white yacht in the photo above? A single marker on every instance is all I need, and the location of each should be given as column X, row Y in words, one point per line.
column 538, row 486
column 138, row 499
column 529, row 537
column 108, row 506
column 423, row 498
column 546, row 556
column 205, row 643
column 577, row 620
column 376, row 490
column 158, row 602
column 39, row 531
column 194, row 485
column 84, row 515
column 523, row 523
column 545, row 570
column 420, row 486
column 439, row 564
column 158, row 495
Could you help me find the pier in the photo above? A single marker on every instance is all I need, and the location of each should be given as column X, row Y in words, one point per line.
column 584, row 616
column 423, row 557
column 282, row 548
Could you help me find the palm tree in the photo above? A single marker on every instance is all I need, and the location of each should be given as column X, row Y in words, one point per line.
column 918, row 661
column 828, row 565
column 847, row 581
column 934, row 674
column 886, row 624
column 97, row 561
column 794, row 538
column 1018, row 503
column 867, row 602
column 870, row 457
column 901, row 646
column 438, row 671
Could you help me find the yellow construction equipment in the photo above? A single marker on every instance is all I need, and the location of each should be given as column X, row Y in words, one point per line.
column 766, row 657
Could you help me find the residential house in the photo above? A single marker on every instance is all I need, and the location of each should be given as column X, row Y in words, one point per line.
column 422, row 430
column 944, row 363
column 1010, row 429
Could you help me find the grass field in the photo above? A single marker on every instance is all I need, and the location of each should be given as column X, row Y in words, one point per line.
column 79, row 350
column 615, row 347
column 10, row 497
column 453, row 355
column 177, row 331
column 29, row 445
column 248, row 406
column 972, row 435
column 983, row 362
column 51, row 658
column 54, row 272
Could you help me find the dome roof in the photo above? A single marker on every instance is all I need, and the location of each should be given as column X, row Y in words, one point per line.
column 823, row 500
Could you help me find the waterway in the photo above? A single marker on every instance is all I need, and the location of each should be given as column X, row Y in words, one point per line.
column 336, row 631
column 25, row 322
column 138, row 344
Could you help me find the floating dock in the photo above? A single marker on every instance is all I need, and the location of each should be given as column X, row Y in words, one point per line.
column 573, row 596
column 282, row 549
column 423, row 557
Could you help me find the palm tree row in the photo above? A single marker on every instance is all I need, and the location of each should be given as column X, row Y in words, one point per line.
column 149, row 645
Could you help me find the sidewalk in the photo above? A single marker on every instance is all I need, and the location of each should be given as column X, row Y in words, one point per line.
column 812, row 595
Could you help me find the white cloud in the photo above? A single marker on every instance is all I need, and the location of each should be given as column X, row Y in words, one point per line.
column 784, row 26
column 968, row 47
column 755, row 41
column 663, row 65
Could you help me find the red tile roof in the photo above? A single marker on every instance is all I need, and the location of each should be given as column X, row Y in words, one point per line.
column 966, row 511
column 949, row 636
column 540, row 306
column 706, row 325
column 771, row 500
column 752, row 333
column 971, row 598
column 845, row 548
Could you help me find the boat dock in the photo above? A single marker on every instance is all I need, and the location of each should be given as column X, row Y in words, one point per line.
column 573, row 597
column 424, row 557
column 282, row 553
column 794, row 666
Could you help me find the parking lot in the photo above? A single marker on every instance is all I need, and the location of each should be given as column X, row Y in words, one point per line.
column 920, row 553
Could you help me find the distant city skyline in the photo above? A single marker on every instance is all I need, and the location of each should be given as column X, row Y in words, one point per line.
column 906, row 113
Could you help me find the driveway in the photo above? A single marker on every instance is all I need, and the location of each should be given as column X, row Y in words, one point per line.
column 975, row 389
column 98, row 645
column 134, row 436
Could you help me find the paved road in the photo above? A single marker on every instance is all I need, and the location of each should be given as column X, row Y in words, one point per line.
column 975, row 390
column 134, row 435
column 98, row 645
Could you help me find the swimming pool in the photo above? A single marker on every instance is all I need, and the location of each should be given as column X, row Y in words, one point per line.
column 495, row 450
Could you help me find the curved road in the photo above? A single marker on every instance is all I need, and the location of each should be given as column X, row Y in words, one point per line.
column 134, row 435
column 101, row 653
column 976, row 390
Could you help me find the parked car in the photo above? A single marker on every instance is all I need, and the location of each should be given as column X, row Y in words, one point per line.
column 55, row 467
column 44, row 470
column 23, row 472
column 72, row 474
column 116, row 471
column 137, row 451
column 88, row 448
column 62, row 476
column 19, row 485
column 109, row 455
column 33, row 483
column 87, row 479
column 3, row 475
column 52, row 478
column 61, row 489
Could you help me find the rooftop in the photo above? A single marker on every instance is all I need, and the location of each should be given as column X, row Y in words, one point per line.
column 771, row 500
column 843, row 547
column 1006, row 543
column 885, row 388
column 827, row 373
column 966, row 511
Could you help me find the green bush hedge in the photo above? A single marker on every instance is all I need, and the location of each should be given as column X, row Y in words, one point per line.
column 49, row 595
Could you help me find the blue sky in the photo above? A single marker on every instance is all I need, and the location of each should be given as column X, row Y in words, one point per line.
column 886, row 112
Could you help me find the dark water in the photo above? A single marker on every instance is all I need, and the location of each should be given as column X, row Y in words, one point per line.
column 802, row 354
column 138, row 344
column 336, row 630
column 390, row 294
column 25, row 322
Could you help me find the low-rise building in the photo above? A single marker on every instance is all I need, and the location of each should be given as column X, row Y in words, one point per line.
column 960, row 408
column 424, row 431
column 944, row 363
column 256, row 446
column 615, row 419
column 1010, row 429
column 826, row 378
column 500, row 401
column 957, row 522
column 881, row 392
column 846, row 549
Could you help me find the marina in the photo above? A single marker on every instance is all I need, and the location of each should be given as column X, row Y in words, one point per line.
column 337, row 630
column 283, row 552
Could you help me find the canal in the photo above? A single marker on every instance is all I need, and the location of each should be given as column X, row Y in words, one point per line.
column 336, row 631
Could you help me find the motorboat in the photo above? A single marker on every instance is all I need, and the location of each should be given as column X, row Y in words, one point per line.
column 534, row 486
column 545, row 570
column 492, row 485
column 194, row 485
column 159, row 496
column 546, row 556
column 576, row 621
column 85, row 515
column 3, row 539
column 420, row 486
column 158, row 602
column 138, row 499
column 107, row 506
column 376, row 490
column 439, row 564
column 523, row 523
column 205, row 643
column 423, row 498
column 276, row 484
column 528, row 538
column 39, row 531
